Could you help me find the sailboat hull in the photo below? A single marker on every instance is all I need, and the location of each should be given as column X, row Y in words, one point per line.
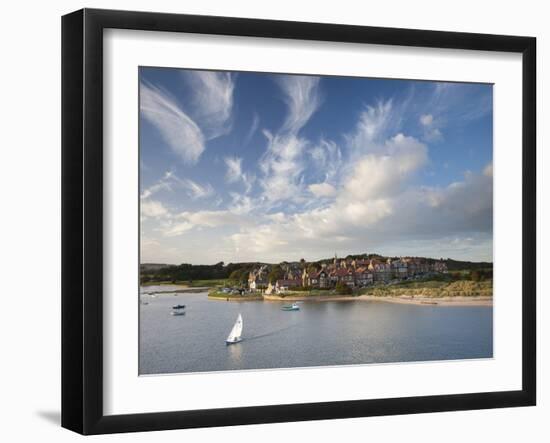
column 178, row 312
column 228, row 342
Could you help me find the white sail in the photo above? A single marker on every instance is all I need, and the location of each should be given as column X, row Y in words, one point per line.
column 235, row 334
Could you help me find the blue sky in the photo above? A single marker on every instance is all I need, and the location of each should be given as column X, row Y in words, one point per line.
column 271, row 167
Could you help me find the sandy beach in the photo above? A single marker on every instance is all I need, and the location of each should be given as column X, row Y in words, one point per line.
column 432, row 301
column 404, row 299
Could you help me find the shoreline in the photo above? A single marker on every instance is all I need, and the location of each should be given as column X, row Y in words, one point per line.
column 178, row 291
column 236, row 297
column 432, row 301
column 416, row 300
column 402, row 299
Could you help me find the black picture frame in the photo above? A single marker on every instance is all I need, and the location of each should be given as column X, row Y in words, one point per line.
column 82, row 219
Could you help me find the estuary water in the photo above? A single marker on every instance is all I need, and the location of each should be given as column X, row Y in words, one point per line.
column 319, row 334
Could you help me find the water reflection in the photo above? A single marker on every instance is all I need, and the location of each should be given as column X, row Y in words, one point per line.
column 269, row 334
column 235, row 352
column 319, row 334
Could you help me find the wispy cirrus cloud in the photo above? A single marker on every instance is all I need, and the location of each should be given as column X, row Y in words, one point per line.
column 302, row 97
column 234, row 170
column 360, row 183
column 169, row 181
column 374, row 125
column 234, row 173
column 451, row 103
column 176, row 128
column 253, row 128
column 163, row 184
column 195, row 190
column 283, row 163
column 212, row 99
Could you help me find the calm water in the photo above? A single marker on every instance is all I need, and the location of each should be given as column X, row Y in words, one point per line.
column 320, row 334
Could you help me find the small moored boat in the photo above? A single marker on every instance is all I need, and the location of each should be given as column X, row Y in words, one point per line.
column 235, row 334
column 178, row 312
column 292, row 307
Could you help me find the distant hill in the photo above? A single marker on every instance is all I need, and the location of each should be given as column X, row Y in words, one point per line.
column 457, row 265
column 151, row 267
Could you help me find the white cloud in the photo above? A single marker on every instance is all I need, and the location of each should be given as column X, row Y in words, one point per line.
column 212, row 100
column 318, row 196
column 170, row 181
column 410, row 221
column 153, row 189
column 234, row 172
column 322, row 189
column 327, row 159
column 301, row 94
column 432, row 133
column 374, row 201
column 253, row 128
column 196, row 191
column 384, row 174
column 426, row 119
column 177, row 229
column 240, row 204
column 374, row 125
column 153, row 208
column 282, row 165
column 212, row 219
column 176, row 128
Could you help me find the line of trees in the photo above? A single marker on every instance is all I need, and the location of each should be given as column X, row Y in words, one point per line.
column 238, row 272
column 187, row 272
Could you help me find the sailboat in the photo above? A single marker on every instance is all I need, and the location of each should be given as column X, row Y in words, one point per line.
column 235, row 334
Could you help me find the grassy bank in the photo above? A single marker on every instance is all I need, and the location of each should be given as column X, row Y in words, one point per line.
column 190, row 284
column 434, row 288
column 214, row 294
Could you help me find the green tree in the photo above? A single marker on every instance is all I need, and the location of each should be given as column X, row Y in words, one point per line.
column 312, row 269
column 276, row 273
column 342, row 288
column 235, row 275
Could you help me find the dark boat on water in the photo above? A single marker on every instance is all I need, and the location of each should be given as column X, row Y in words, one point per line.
column 178, row 310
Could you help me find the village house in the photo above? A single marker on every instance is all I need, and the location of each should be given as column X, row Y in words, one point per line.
column 440, row 266
column 381, row 270
column 363, row 276
column 282, row 286
column 317, row 279
column 257, row 278
column 399, row 269
column 352, row 272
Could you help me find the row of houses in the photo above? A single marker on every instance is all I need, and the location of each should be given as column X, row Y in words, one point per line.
column 352, row 272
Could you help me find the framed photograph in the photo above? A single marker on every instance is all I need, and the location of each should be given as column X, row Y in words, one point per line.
column 269, row 221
